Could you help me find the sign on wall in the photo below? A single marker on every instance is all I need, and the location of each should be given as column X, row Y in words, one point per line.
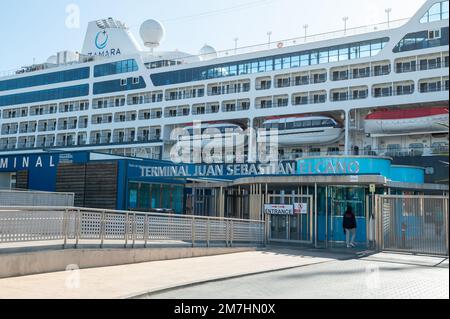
column 280, row 209
column 300, row 208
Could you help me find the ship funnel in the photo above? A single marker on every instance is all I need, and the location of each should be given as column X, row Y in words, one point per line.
column 109, row 37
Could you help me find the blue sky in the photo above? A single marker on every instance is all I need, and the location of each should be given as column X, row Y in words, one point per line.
column 31, row 29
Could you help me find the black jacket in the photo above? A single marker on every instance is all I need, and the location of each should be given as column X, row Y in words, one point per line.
column 349, row 220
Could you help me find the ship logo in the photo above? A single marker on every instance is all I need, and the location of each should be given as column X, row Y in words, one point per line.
column 101, row 40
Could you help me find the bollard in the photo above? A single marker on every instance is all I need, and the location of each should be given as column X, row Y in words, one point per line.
column 403, row 235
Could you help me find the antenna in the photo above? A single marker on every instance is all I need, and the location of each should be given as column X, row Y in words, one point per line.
column 305, row 26
column 388, row 12
column 345, row 19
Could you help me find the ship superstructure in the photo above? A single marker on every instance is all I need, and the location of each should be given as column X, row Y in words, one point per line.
column 116, row 98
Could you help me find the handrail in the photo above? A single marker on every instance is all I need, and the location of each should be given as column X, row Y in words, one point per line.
column 99, row 210
column 71, row 225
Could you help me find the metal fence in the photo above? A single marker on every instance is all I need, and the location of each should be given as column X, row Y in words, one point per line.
column 10, row 198
column 73, row 226
column 414, row 224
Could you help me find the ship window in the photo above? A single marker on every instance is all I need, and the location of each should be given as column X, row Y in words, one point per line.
column 295, row 61
column 45, row 95
column 344, row 54
column 45, row 79
column 334, row 56
column 119, row 67
column 314, row 151
column 365, row 51
column 299, row 124
column 324, row 55
column 421, row 40
column 316, row 123
column 304, row 59
column 314, row 58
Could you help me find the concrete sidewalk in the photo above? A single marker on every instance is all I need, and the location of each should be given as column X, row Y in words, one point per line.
column 138, row 279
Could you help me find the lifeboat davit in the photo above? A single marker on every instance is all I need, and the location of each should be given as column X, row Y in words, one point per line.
column 301, row 130
column 407, row 121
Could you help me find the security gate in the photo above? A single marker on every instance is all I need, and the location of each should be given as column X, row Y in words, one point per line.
column 414, row 224
column 291, row 228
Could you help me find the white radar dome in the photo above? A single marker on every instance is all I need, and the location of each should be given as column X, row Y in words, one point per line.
column 208, row 53
column 152, row 32
column 52, row 59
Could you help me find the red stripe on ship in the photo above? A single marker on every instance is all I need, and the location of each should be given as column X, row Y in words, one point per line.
column 406, row 113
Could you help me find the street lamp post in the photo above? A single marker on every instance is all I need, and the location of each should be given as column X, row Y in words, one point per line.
column 345, row 19
column 388, row 12
column 235, row 45
column 269, row 35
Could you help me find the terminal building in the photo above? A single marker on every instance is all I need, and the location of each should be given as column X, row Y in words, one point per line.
column 356, row 115
column 324, row 186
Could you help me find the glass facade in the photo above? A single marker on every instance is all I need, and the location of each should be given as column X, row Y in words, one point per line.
column 438, row 12
column 119, row 67
column 422, row 40
column 119, row 85
column 45, row 79
column 45, row 95
column 147, row 197
column 293, row 60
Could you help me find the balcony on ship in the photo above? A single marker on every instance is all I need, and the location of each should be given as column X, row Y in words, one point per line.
column 236, row 105
column 150, row 114
column 145, row 98
column 206, row 108
column 229, row 87
column 177, row 111
column 272, row 101
column 149, row 134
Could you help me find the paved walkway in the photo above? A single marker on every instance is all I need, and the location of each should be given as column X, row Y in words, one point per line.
column 301, row 274
column 131, row 280
column 381, row 276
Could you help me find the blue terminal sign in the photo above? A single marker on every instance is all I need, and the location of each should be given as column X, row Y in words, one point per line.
column 343, row 166
column 357, row 165
column 303, row 167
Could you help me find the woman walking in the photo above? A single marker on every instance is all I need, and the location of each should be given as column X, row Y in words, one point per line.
column 350, row 227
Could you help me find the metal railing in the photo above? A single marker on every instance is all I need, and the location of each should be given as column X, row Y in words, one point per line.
column 413, row 224
column 11, row 198
column 75, row 226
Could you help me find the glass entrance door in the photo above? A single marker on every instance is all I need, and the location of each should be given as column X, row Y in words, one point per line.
column 339, row 198
column 279, row 227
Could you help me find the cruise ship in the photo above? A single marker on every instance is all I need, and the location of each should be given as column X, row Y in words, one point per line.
column 377, row 93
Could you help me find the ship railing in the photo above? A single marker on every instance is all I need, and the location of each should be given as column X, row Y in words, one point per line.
column 207, row 111
column 229, row 91
column 304, row 39
column 421, row 67
column 275, row 44
column 434, row 89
